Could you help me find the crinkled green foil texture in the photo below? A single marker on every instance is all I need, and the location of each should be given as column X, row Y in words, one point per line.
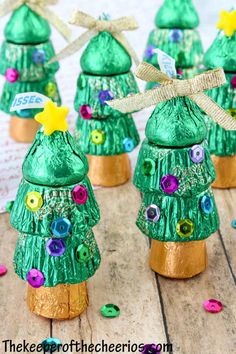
column 222, row 53
column 173, row 210
column 188, row 52
column 57, row 202
column 104, row 55
column 26, row 27
column 54, row 160
column 115, row 130
column 177, row 14
column 193, row 178
column 89, row 86
column 223, row 142
column 31, row 253
column 20, row 57
column 176, row 123
column 11, row 89
column 187, row 74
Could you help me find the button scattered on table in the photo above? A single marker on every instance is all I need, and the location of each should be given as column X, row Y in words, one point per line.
column 212, row 305
column 3, row 270
column 110, row 310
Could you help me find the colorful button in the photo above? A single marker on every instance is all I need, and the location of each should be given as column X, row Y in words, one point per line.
column 169, row 184
column 12, row 75
column 232, row 112
column 197, row 153
column 98, row 137
column 110, row 311
column 233, row 224
column 185, row 228
column 176, row 35
column 9, row 206
column 61, row 227
column 212, row 305
column 79, row 194
column 85, row 111
column 82, row 253
column 180, row 72
column 148, row 167
column 149, row 52
column 25, row 113
column 105, row 95
column 35, row 278
column 207, row 205
column 39, row 56
column 128, row 144
column 33, row 201
column 51, row 345
column 55, row 247
column 151, row 349
column 233, row 81
column 3, row 270
column 152, row 213
column 51, row 89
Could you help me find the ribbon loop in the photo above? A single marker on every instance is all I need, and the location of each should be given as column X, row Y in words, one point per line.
column 171, row 88
column 93, row 26
column 40, row 7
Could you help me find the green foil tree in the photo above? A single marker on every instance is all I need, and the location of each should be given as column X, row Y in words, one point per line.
column 176, row 34
column 54, row 212
column 23, row 57
column 222, row 53
column 174, row 170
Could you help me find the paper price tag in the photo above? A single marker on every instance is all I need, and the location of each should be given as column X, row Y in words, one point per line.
column 28, row 100
column 166, row 63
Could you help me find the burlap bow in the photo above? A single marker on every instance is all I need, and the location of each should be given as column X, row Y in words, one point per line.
column 115, row 27
column 170, row 88
column 40, row 7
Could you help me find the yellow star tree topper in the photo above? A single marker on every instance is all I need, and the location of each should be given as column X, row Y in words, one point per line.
column 53, row 118
column 227, row 22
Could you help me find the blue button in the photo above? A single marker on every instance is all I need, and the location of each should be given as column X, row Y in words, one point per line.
column 39, row 56
column 51, row 345
column 207, row 204
column 128, row 144
column 233, row 223
column 61, row 227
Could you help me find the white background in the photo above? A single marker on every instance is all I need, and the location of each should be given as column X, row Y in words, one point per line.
column 12, row 154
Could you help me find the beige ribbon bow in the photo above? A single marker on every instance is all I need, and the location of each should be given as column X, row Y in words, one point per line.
column 40, row 7
column 170, row 88
column 115, row 27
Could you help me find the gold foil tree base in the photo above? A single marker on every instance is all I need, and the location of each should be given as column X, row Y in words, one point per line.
column 178, row 260
column 225, row 171
column 23, row 130
column 61, row 302
column 109, row 171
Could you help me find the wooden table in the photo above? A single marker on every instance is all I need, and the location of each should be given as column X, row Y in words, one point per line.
column 153, row 309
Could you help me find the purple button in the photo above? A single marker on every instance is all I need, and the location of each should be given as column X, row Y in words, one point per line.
column 35, row 278
column 169, row 184
column 176, row 35
column 105, row 95
column 79, row 194
column 197, row 153
column 85, row 111
column 55, row 247
column 149, row 52
column 233, row 81
column 151, row 349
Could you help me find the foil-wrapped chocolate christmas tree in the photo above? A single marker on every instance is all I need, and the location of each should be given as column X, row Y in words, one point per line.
column 54, row 212
column 24, row 53
column 176, row 34
column 222, row 143
column 174, row 170
column 104, row 134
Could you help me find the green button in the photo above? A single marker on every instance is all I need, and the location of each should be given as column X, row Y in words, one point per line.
column 82, row 253
column 110, row 310
column 185, row 228
column 148, row 167
column 9, row 206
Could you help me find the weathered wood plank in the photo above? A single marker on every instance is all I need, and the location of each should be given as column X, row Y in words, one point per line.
column 17, row 323
column 226, row 202
column 124, row 279
column 191, row 329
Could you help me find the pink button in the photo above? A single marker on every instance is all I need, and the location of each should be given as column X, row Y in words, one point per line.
column 212, row 305
column 11, row 75
column 79, row 194
column 85, row 112
column 3, row 270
